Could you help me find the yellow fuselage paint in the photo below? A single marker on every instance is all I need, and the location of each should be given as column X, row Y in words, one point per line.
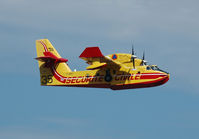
column 116, row 74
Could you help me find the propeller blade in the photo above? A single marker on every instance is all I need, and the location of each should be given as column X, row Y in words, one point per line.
column 133, row 56
column 143, row 56
column 143, row 59
column 134, row 63
column 133, row 53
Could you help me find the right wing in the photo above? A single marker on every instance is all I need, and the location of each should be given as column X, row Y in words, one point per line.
column 94, row 57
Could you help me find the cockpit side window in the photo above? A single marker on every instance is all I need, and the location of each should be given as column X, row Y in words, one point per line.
column 148, row 68
column 157, row 69
column 153, row 68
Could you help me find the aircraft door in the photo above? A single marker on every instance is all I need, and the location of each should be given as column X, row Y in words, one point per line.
column 108, row 77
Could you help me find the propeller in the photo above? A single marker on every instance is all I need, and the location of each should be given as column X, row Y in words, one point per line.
column 133, row 57
column 143, row 59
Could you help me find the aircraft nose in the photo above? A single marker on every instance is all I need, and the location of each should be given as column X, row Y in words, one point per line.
column 166, row 75
column 166, row 72
column 165, row 78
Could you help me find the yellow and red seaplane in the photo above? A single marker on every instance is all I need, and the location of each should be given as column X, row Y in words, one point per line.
column 115, row 71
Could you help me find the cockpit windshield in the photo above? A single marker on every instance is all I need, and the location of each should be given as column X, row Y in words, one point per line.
column 155, row 68
column 151, row 67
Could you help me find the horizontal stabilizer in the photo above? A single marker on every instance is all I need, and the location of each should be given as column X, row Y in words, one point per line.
column 51, row 58
column 91, row 52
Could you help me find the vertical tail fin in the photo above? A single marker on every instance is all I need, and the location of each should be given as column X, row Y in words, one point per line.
column 49, row 59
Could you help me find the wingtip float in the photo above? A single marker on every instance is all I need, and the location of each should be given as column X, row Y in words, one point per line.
column 116, row 71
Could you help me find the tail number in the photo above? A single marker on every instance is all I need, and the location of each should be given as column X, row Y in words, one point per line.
column 46, row 79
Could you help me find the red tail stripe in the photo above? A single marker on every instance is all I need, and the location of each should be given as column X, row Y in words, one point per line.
column 44, row 45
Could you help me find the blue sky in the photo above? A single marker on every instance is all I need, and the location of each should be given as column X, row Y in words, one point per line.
column 167, row 31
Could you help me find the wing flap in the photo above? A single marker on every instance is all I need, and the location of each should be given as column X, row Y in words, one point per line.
column 96, row 66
